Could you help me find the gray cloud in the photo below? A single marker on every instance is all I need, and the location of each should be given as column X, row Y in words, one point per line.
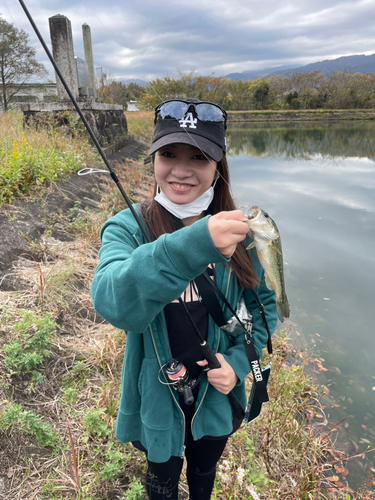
column 148, row 38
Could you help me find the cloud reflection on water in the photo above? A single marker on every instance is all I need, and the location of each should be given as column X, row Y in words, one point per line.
column 324, row 208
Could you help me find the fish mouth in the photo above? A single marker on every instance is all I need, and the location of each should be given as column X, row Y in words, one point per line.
column 252, row 213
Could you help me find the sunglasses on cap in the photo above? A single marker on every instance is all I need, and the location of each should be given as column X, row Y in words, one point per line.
column 177, row 109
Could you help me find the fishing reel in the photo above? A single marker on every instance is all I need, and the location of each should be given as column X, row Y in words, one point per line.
column 179, row 377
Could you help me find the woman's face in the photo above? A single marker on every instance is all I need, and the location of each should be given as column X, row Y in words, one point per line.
column 183, row 173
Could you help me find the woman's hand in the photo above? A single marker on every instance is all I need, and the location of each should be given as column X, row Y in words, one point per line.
column 226, row 230
column 223, row 378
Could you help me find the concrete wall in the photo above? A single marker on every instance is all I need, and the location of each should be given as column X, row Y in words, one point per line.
column 33, row 92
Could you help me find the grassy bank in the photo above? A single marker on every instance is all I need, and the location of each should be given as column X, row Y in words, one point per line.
column 31, row 155
column 60, row 368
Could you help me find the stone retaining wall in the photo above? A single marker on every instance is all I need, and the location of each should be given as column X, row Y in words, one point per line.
column 107, row 121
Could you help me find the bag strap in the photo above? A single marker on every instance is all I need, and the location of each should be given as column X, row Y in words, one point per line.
column 213, row 305
column 263, row 314
column 209, row 298
column 205, row 287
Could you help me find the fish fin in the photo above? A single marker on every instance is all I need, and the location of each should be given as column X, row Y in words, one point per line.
column 274, row 247
column 283, row 310
column 252, row 245
column 268, row 282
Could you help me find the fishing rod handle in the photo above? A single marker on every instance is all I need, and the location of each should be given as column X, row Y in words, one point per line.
column 213, row 363
column 209, row 355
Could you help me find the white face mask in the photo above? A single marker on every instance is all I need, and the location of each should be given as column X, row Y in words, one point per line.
column 191, row 209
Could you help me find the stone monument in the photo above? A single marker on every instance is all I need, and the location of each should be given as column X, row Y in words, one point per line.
column 84, row 88
column 107, row 121
column 63, row 54
column 87, row 45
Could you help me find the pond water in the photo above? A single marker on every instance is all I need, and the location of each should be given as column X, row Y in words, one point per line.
column 317, row 181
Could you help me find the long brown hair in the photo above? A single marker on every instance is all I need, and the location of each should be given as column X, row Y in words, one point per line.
column 160, row 221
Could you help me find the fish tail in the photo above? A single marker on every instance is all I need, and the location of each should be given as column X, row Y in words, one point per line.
column 283, row 310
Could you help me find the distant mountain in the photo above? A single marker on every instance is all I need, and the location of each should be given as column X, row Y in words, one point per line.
column 142, row 83
column 351, row 64
column 252, row 74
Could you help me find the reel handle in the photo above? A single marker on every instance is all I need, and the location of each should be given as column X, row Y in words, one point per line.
column 188, row 395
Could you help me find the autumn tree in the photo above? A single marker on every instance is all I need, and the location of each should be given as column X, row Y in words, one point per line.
column 260, row 90
column 114, row 92
column 239, row 95
column 180, row 86
column 18, row 65
column 187, row 85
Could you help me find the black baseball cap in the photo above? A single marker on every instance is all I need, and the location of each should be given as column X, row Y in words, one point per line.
column 183, row 126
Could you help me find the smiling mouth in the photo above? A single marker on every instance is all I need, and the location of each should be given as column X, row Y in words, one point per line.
column 181, row 187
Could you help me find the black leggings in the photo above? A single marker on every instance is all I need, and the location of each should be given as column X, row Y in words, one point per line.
column 201, row 456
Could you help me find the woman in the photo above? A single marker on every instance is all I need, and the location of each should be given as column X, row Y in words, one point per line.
column 193, row 226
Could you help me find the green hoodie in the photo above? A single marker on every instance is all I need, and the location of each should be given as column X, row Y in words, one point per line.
column 133, row 282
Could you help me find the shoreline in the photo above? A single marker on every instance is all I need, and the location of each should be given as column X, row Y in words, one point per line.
column 301, row 115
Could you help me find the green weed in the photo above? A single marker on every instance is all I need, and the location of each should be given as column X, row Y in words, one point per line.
column 114, row 461
column 95, row 423
column 70, row 395
column 135, row 491
column 30, row 423
column 30, row 345
column 78, row 373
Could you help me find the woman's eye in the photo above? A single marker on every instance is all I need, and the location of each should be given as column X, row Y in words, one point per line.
column 199, row 157
column 167, row 154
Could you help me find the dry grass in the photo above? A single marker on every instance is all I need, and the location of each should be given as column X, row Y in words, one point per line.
column 140, row 123
column 13, row 128
column 81, row 378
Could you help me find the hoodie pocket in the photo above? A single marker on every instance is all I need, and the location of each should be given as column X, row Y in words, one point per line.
column 156, row 399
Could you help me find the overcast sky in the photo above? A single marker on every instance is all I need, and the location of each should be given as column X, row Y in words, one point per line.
column 154, row 38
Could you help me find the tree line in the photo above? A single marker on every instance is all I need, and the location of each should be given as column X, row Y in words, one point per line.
column 313, row 90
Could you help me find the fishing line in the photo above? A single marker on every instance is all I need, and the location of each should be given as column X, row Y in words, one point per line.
column 6, row 5
column 93, row 13
column 187, row 132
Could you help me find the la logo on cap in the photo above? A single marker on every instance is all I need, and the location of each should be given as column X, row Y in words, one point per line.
column 188, row 121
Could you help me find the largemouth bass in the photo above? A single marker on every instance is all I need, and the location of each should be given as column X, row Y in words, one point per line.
column 268, row 246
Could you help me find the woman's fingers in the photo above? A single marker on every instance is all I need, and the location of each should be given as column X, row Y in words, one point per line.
column 227, row 229
column 223, row 378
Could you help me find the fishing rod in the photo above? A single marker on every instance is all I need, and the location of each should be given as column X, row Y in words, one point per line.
column 206, row 349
